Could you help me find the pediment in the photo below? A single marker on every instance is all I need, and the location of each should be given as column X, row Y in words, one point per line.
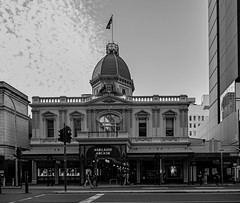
column 169, row 113
column 142, row 113
column 76, row 114
column 109, row 99
column 49, row 114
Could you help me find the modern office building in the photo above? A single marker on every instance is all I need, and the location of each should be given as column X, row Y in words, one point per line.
column 14, row 132
column 224, row 71
column 197, row 116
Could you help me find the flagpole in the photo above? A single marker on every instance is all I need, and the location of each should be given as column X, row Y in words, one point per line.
column 112, row 28
column 110, row 25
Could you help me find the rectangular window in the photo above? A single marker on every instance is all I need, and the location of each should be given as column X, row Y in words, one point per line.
column 169, row 126
column 76, row 126
column 142, row 128
column 190, row 118
column 194, row 118
column 190, row 125
column 194, row 125
column 50, row 128
column 202, row 118
column 227, row 102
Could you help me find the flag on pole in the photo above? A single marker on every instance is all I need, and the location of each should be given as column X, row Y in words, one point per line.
column 109, row 23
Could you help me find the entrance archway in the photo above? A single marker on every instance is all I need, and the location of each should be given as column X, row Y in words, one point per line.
column 107, row 163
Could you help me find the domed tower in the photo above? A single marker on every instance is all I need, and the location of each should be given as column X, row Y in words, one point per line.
column 111, row 74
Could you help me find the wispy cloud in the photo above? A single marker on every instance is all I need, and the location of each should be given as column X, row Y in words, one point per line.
column 50, row 47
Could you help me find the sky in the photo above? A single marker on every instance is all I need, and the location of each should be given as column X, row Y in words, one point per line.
column 50, row 48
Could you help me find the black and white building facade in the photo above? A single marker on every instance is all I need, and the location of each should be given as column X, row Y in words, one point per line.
column 120, row 137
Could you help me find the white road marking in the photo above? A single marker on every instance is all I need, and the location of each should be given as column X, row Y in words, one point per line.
column 40, row 195
column 21, row 200
column 90, row 199
column 25, row 199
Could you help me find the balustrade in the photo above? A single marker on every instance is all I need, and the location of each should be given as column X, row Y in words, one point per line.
column 86, row 99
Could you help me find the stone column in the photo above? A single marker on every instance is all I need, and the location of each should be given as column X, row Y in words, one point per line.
column 158, row 123
column 34, row 172
column 154, row 123
column 93, row 119
column 60, row 119
column 89, row 128
column 124, row 117
column 33, row 123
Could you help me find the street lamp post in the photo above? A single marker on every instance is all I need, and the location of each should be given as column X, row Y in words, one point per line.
column 221, row 152
column 15, row 139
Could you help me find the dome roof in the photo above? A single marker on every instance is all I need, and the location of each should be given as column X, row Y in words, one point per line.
column 112, row 64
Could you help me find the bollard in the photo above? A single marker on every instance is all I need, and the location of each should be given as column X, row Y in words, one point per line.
column 26, row 182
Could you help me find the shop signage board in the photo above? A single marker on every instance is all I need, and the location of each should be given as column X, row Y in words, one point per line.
column 235, row 154
column 103, row 151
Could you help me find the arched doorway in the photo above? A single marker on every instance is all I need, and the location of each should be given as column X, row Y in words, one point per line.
column 107, row 163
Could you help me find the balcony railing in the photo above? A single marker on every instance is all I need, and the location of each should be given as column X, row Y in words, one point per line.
column 117, row 135
column 154, row 98
column 167, row 140
column 120, row 134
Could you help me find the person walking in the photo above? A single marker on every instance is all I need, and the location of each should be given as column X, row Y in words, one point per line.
column 88, row 179
column 200, row 177
column 205, row 177
column 94, row 180
column 217, row 178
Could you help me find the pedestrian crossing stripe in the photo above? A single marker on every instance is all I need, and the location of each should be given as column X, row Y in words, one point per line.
column 91, row 199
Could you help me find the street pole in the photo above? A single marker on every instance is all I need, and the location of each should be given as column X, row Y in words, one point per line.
column 65, row 160
column 15, row 139
column 160, row 171
column 221, row 152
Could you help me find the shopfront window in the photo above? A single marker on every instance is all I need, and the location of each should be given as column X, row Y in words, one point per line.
column 174, row 172
column 70, row 172
column 227, row 102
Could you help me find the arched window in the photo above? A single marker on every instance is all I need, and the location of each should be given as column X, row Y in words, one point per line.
column 142, row 118
column 110, row 123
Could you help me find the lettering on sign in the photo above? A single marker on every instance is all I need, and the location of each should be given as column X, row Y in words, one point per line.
column 235, row 154
column 103, row 151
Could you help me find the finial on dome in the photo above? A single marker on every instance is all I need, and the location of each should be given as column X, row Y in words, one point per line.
column 112, row 48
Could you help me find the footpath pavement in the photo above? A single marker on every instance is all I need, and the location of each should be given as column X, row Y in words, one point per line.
column 181, row 188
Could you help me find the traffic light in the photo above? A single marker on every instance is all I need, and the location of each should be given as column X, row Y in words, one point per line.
column 68, row 134
column 61, row 135
column 19, row 152
column 65, row 134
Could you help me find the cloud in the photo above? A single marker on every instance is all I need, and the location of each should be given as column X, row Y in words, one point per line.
column 50, row 48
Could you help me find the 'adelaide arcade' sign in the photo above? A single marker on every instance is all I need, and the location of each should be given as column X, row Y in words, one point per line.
column 103, row 151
